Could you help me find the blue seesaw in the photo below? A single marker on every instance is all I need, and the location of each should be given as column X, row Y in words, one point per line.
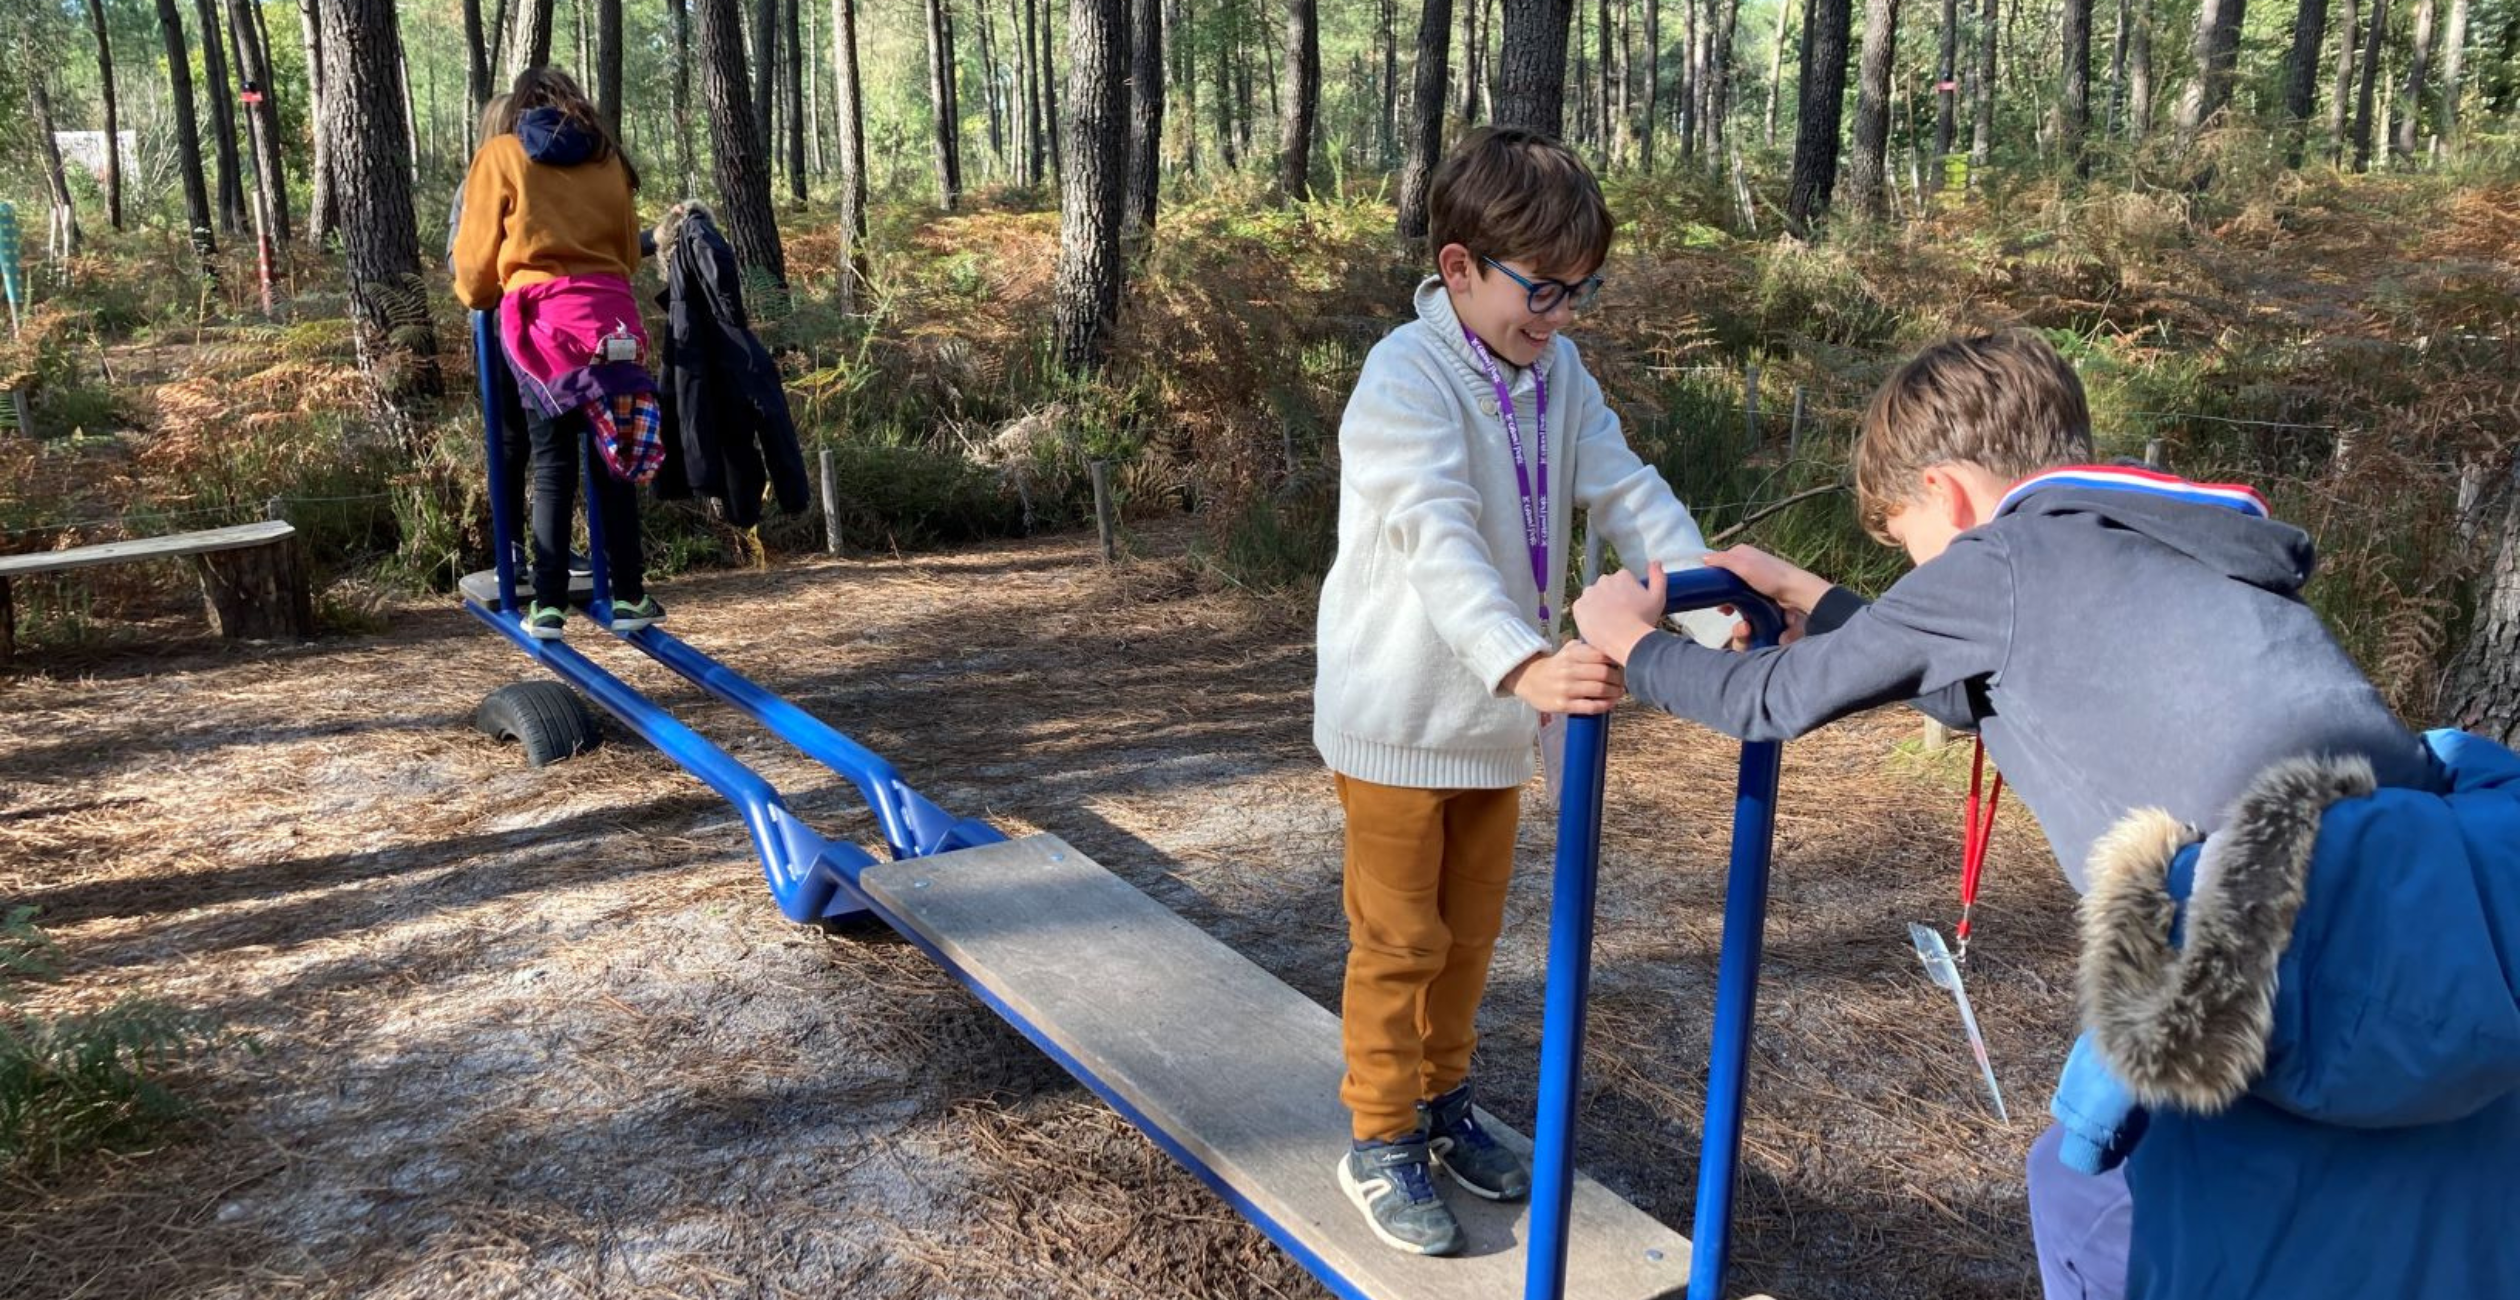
column 1227, row 1069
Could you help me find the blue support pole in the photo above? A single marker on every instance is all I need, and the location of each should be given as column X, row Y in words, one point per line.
column 1570, row 971
column 1736, row 996
column 502, row 522
column 1562, row 1017
column 599, row 570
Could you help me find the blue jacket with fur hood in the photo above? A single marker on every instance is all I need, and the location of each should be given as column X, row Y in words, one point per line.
column 2315, row 1009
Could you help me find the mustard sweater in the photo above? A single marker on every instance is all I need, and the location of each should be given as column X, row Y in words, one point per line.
column 525, row 222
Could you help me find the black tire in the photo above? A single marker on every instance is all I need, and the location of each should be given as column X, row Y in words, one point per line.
column 546, row 719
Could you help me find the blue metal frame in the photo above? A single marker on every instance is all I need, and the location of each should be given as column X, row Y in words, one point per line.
column 815, row 879
column 1570, row 973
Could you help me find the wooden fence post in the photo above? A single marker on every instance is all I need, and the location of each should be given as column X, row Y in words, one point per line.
column 1102, row 510
column 830, row 507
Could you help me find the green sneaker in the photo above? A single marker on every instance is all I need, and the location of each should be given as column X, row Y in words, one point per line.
column 542, row 622
column 644, row 612
column 1393, row 1184
column 1469, row 1153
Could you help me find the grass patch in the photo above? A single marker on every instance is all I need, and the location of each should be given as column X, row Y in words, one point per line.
column 86, row 1081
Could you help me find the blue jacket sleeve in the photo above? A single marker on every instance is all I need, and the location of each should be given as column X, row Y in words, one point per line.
column 1934, row 635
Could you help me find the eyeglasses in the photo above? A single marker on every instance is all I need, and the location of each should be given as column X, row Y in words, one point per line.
column 1547, row 295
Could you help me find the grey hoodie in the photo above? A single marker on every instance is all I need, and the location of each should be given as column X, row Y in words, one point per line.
column 2116, row 649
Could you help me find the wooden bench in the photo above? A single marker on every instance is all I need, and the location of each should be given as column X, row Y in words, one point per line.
column 252, row 579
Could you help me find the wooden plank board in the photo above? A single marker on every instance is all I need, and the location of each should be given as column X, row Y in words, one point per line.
column 483, row 588
column 1238, row 1068
column 231, row 538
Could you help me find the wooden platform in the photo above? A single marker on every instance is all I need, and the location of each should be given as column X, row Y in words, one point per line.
column 253, row 582
column 483, row 588
column 1239, row 1069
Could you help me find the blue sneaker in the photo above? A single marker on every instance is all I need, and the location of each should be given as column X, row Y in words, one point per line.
column 1394, row 1184
column 1473, row 1157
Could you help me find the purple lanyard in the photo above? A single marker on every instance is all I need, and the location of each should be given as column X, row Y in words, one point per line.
column 1535, row 507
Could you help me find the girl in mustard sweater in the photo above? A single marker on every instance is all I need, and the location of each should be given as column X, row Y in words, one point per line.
column 548, row 220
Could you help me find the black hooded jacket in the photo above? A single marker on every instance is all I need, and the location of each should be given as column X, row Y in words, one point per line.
column 728, row 432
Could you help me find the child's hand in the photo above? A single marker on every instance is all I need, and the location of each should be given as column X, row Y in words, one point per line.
column 1576, row 679
column 1620, row 608
column 1796, row 589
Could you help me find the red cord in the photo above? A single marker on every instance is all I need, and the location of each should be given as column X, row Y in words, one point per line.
column 1977, row 829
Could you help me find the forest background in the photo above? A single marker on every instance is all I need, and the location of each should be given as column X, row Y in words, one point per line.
column 997, row 245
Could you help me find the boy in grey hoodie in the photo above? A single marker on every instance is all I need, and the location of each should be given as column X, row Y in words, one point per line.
column 2121, row 639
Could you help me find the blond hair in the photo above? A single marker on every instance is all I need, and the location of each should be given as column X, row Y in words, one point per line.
column 1516, row 194
column 2005, row 402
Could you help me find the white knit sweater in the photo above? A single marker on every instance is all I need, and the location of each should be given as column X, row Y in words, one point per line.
column 1430, row 602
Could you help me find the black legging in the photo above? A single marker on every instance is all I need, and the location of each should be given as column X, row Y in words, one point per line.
column 555, row 458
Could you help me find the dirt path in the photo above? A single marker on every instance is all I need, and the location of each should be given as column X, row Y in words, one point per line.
column 544, row 1034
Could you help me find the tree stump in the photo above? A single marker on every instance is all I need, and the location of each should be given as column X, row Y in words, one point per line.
column 258, row 592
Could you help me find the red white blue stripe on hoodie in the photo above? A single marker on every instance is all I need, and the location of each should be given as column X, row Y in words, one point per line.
column 2130, row 478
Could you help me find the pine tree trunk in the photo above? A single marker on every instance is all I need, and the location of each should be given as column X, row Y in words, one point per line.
column 1086, row 291
column 1604, row 135
column 1947, row 90
column 1816, row 115
column 214, row 69
column 1053, row 125
column 2301, row 75
column 1426, row 115
column 2453, row 52
column 1470, row 60
column 187, row 135
column 1776, row 67
column 55, row 179
column 2215, row 50
column 477, row 90
column 113, row 114
column 1386, row 127
column 608, row 54
column 682, row 97
column 2116, row 116
column 323, row 203
column 738, row 161
column 1181, row 43
column 1647, row 123
column 794, row 43
column 2481, row 692
column 849, row 90
column 2418, row 73
column 988, row 90
column 764, row 67
column 363, row 113
column 2139, row 73
column 1531, row 72
column 2369, row 72
column 529, row 43
column 1689, row 77
column 1146, row 115
column 2348, row 58
column 1037, row 123
column 1225, row 100
column 1982, row 114
column 1719, row 85
column 1303, row 99
column 2073, row 98
column 1866, row 164
column 262, row 121
column 941, row 109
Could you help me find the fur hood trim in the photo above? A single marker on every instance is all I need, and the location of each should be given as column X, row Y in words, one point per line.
column 2186, row 1027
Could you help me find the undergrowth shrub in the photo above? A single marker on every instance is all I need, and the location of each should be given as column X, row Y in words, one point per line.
column 85, row 1081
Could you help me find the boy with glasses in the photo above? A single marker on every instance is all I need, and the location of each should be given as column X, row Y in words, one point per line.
column 1472, row 436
